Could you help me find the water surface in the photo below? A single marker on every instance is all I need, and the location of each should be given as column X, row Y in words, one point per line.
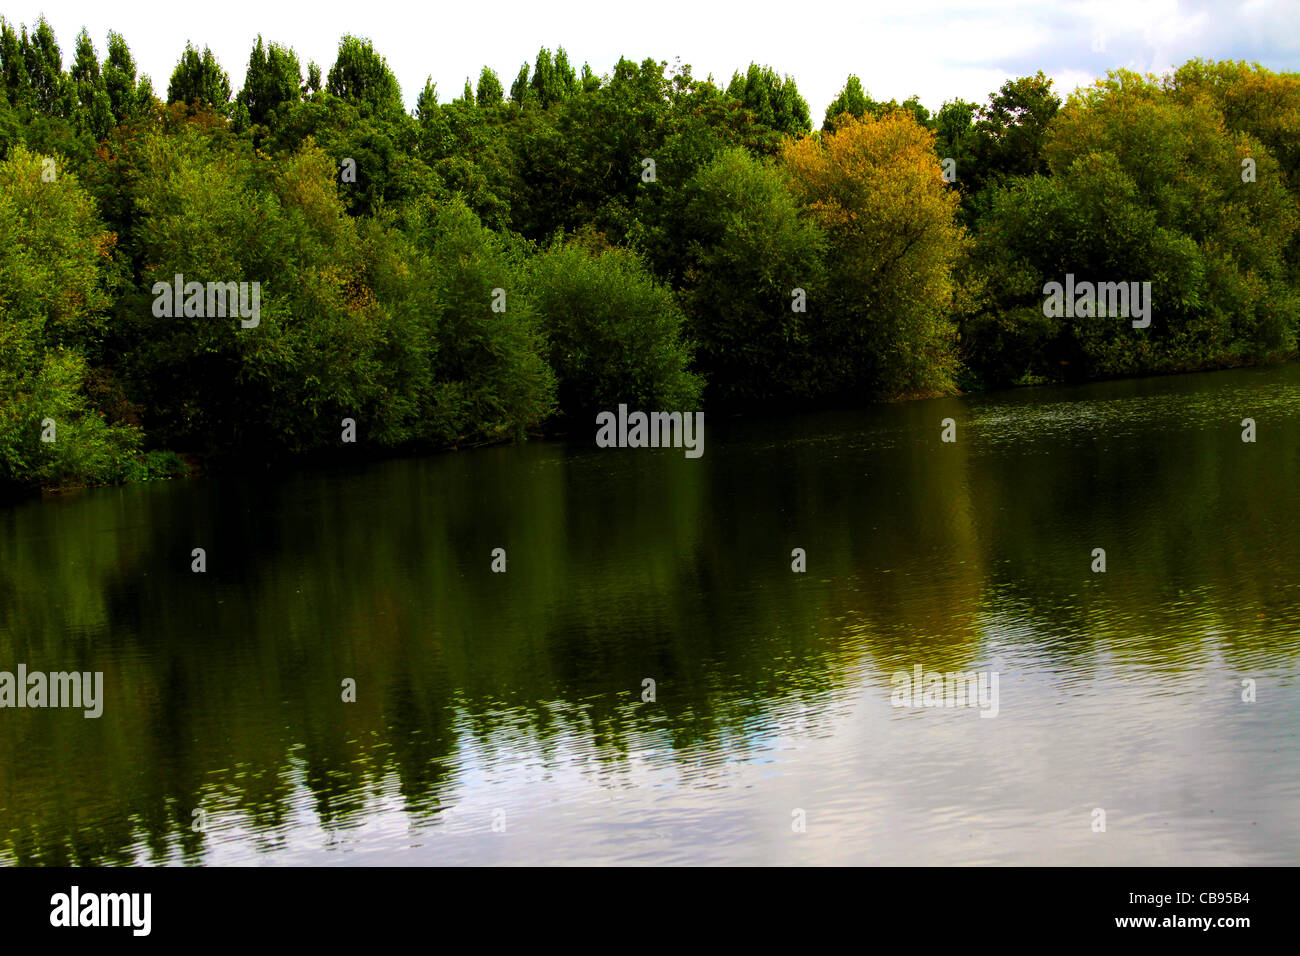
column 499, row 717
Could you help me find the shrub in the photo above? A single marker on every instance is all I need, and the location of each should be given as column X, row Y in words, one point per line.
column 615, row 334
column 53, row 253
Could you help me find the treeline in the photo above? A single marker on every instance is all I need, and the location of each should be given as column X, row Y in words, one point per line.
column 532, row 251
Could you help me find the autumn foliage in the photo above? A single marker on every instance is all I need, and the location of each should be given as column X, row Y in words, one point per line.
column 885, row 316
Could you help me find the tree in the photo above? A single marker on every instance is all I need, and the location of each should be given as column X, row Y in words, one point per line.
column 1010, row 131
column 954, row 127
column 94, row 108
column 127, row 97
column 1252, row 100
column 749, row 250
column 273, row 78
column 426, row 104
column 51, row 92
column 852, row 101
column 199, row 80
column 553, row 80
column 13, row 67
column 385, row 162
column 520, row 92
column 490, row 92
column 325, row 345
column 773, row 99
column 490, row 376
column 615, row 334
column 874, row 187
column 85, row 69
column 53, row 257
column 1140, row 187
column 362, row 77
column 565, row 78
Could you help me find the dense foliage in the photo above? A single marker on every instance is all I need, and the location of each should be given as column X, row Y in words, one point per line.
column 551, row 242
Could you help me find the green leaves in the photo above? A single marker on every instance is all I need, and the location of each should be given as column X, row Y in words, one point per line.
column 273, row 78
column 490, row 377
column 1144, row 185
column 51, row 313
column 615, row 334
column 774, row 100
column 749, row 249
column 362, row 77
column 199, row 80
column 777, row 264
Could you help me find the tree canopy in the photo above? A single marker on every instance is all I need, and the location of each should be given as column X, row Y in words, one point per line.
column 500, row 263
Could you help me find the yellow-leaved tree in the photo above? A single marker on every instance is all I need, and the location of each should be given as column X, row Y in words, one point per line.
column 885, row 313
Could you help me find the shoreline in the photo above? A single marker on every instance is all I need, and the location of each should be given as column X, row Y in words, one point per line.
column 202, row 465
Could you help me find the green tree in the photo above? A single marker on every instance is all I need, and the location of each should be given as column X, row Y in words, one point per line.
column 85, row 69
column 205, row 207
column 13, row 67
column 852, row 100
column 52, row 93
column 426, row 104
column 553, row 80
column 491, row 379
column 749, row 251
column 94, row 108
column 490, row 91
column 273, row 78
column 362, row 77
column 774, row 100
column 520, row 91
column 1139, row 188
column 127, row 96
column 53, row 268
column 1252, row 100
column 615, row 334
column 199, row 80
column 1010, row 131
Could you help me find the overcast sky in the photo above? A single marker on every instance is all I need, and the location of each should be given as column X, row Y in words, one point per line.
column 937, row 49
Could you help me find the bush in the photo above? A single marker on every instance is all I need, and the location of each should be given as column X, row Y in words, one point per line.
column 53, row 258
column 750, row 249
column 489, row 377
column 226, row 215
column 615, row 334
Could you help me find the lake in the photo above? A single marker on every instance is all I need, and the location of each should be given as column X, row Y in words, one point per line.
column 508, row 717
